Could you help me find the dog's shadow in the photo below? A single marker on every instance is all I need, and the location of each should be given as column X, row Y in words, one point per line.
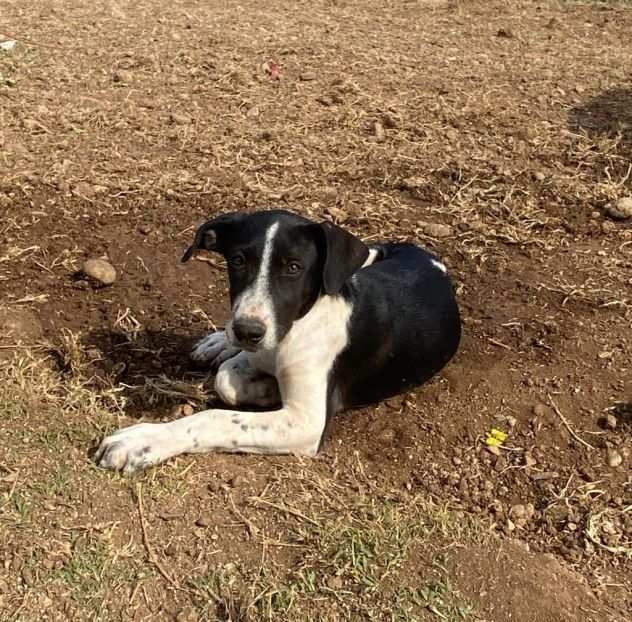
column 608, row 115
column 150, row 372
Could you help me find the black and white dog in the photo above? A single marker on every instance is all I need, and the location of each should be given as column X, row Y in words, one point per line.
column 320, row 323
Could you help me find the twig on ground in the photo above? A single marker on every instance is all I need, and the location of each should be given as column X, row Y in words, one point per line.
column 567, row 425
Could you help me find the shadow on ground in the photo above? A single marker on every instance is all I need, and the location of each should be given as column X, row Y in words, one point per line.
column 608, row 115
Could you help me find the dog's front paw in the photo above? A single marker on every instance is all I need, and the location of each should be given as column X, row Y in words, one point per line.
column 136, row 448
column 213, row 350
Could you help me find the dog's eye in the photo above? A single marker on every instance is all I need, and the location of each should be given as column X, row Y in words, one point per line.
column 293, row 267
column 236, row 261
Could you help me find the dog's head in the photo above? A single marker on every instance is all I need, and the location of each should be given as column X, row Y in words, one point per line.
column 278, row 265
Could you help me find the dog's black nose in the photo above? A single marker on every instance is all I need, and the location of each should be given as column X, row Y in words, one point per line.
column 249, row 330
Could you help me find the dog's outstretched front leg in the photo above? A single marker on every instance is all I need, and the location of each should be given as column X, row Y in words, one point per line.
column 213, row 350
column 281, row 431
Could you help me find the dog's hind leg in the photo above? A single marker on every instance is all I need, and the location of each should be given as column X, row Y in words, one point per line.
column 238, row 383
column 213, row 350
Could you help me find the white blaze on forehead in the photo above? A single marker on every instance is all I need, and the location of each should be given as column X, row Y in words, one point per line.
column 256, row 301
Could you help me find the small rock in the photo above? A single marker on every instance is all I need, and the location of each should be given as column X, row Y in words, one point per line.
column 518, row 511
column 307, row 76
column 539, row 410
column 609, row 422
column 379, row 131
column 390, row 121
column 335, row 583
column 571, row 526
column 99, row 270
column 492, row 449
column 339, row 215
column 120, row 76
column 170, row 549
column 544, row 475
column 613, row 458
column 595, row 215
column 608, row 227
column 539, row 176
column 203, row 521
column 412, row 183
column 437, row 230
column 529, row 460
column 179, row 119
column 511, row 421
column 214, row 486
column 145, row 229
column 621, row 210
column 187, row 615
column 325, row 100
column 83, row 189
column 28, row 576
column 237, row 481
column 505, row 33
column 501, row 463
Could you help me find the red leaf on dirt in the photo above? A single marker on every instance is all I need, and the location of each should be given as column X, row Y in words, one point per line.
column 274, row 70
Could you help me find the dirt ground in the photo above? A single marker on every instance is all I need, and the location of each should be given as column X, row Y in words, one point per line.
column 124, row 125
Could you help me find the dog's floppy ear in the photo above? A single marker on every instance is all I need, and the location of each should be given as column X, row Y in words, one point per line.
column 208, row 236
column 344, row 254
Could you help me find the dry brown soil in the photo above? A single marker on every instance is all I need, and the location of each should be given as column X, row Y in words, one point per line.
column 124, row 125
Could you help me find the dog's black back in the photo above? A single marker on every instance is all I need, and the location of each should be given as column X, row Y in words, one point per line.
column 404, row 327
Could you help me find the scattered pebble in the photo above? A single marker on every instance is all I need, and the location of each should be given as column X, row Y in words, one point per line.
column 145, row 229
column 539, row 410
column 609, row 422
column 379, row 132
column 412, row 183
column 121, row 76
column 203, row 521
column 596, row 214
column 99, row 270
column 608, row 227
column 492, row 449
column 501, row 463
column 170, row 549
column 83, row 189
column 214, row 486
column 325, row 100
column 621, row 210
column 390, row 121
column 544, row 475
column 187, row 615
column 613, row 458
column 307, row 76
column 529, row 460
column 539, row 176
column 437, row 230
column 505, row 33
column 335, row 583
column 179, row 119
column 7, row 45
